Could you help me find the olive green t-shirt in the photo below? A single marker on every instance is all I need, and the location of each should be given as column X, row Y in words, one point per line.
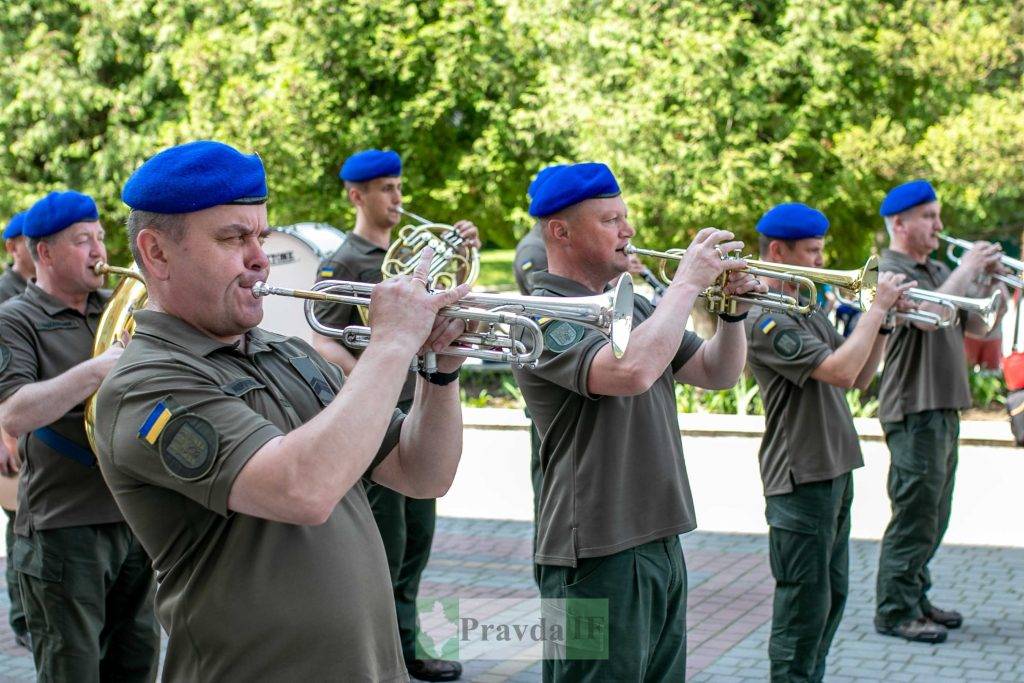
column 11, row 284
column 41, row 338
column 809, row 434
column 241, row 598
column 613, row 469
column 531, row 257
column 356, row 260
column 924, row 370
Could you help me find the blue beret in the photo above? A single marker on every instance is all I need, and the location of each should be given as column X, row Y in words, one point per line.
column 572, row 184
column 907, row 196
column 541, row 177
column 14, row 226
column 793, row 221
column 370, row 164
column 57, row 211
column 196, row 176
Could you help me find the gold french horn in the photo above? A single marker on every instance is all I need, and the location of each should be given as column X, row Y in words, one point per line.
column 455, row 263
column 128, row 296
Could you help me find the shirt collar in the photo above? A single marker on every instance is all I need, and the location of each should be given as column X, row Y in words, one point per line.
column 363, row 245
column 558, row 285
column 174, row 330
column 52, row 305
column 905, row 259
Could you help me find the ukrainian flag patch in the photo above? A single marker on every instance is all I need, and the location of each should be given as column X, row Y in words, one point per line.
column 767, row 325
column 327, row 272
column 155, row 423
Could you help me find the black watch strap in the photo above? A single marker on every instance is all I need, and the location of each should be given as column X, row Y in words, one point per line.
column 885, row 330
column 439, row 378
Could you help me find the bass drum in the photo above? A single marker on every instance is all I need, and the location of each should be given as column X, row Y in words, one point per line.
column 295, row 253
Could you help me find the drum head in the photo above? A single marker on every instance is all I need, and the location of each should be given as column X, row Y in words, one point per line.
column 295, row 253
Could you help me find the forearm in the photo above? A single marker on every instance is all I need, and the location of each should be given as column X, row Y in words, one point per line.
column 41, row 403
column 867, row 373
column 846, row 364
column 431, row 443
column 723, row 357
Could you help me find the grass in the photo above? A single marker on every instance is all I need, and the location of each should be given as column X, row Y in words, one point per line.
column 496, row 269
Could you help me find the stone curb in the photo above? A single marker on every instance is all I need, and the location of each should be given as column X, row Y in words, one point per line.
column 972, row 432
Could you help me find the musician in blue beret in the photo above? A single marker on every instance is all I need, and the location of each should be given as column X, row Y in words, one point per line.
column 86, row 582
column 614, row 493
column 923, row 389
column 372, row 180
column 20, row 270
column 21, row 267
column 810, row 448
column 242, row 456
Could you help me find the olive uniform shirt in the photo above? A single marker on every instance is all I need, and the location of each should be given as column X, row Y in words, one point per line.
column 614, row 475
column 924, row 370
column 356, row 260
column 242, row 598
column 41, row 338
column 531, row 257
column 11, row 284
column 809, row 434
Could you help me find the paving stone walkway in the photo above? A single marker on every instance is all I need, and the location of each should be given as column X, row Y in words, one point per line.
column 730, row 607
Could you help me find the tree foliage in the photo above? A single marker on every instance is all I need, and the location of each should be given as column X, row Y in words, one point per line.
column 709, row 112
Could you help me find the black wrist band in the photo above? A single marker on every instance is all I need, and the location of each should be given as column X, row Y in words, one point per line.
column 439, row 378
column 885, row 330
column 733, row 318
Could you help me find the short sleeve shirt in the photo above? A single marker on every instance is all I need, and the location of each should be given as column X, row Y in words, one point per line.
column 924, row 370
column 809, row 434
column 42, row 338
column 356, row 260
column 242, row 598
column 531, row 257
column 11, row 284
column 613, row 469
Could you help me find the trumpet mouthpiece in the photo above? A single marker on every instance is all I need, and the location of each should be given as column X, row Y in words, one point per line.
column 260, row 289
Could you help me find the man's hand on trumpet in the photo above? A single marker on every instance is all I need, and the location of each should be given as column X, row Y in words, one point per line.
column 707, row 258
column 404, row 312
column 741, row 283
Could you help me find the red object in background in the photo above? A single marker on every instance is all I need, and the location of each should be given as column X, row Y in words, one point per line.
column 1013, row 364
column 988, row 353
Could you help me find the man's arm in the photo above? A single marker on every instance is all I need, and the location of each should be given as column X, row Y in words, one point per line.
column 717, row 364
column 654, row 343
column 41, row 403
column 424, row 462
column 854, row 363
column 300, row 477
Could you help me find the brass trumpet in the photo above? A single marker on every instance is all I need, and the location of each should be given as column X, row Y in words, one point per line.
column 1015, row 280
column 454, row 262
column 511, row 334
column 717, row 301
column 128, row 296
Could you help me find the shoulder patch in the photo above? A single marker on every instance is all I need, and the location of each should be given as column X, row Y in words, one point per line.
column 767, row 325
column 788, row 344
column 327, row 272
column 561, row 335
column 526, row 265
column 188, row 446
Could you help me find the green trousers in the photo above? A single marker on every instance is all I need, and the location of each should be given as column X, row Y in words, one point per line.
column 536, row 474
column 88, row 596
column 407, row 528
column 16, row 615
column 923, row 450
column 645, row 589
column 809, row 552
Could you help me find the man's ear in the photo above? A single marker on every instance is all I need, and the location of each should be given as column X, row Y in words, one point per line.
column 152, row 250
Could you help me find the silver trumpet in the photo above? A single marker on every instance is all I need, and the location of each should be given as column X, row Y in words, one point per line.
column 511, row 333
column 1015, row 279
